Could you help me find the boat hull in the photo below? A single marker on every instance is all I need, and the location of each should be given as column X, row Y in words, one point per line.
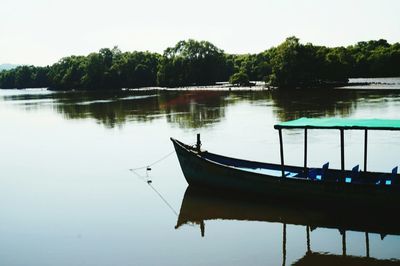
column 200, row 171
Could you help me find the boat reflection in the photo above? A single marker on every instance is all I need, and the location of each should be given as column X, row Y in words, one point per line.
column 199, row 206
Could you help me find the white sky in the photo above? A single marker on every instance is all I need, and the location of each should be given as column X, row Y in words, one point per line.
column 40, row 32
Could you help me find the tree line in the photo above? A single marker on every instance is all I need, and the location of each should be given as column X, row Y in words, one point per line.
column 289, row 65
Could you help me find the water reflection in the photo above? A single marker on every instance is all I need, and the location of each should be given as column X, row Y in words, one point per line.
column 314, row 258
column 199, row 206
column 187, row 109
column 109, row 109
column 296, row 104
column 317, row 103
column 193, row 109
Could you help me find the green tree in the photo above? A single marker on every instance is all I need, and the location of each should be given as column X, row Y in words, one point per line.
column 289, row 65
column 7, row 79
column 296, row 65
column 192, row 63
column 67, row 73
column 240, row 78
column 136, row 69
column 23, row 77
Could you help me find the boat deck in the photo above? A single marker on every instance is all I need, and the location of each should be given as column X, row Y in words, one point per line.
column 313, row 174
column 271, row 172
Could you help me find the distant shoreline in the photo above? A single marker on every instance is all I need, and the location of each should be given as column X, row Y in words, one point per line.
column 353, row 84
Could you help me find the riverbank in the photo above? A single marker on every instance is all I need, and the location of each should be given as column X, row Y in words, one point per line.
column 391, row 83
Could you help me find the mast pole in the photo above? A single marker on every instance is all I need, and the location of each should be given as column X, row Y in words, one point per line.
column 281, row 148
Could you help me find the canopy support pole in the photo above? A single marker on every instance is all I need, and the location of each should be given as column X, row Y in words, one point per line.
column 308, row 239
column 342, row 148
column 198, row 143
column 305, row 152
column 281, row 147
column 344, row 243
column 202, row 228
column 365, row 149
column 284, row 245
column 367, row 243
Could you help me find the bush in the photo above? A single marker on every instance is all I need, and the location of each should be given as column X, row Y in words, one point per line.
column 240, row 78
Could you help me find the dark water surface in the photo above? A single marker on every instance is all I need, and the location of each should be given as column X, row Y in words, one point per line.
column 67, row 196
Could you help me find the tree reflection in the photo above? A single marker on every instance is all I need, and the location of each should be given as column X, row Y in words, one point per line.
column 192, row 108
column 313, row 103
column 109, row 109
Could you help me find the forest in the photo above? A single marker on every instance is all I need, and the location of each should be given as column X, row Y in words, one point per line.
column 196, row 63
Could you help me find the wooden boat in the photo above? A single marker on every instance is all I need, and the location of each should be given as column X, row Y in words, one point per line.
column 362, row 188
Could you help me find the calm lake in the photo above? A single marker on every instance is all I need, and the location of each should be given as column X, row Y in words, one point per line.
column 68, row 196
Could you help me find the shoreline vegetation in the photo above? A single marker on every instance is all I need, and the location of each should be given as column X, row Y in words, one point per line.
column 200, row 63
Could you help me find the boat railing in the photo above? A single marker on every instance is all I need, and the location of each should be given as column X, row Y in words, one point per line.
column 341, row 125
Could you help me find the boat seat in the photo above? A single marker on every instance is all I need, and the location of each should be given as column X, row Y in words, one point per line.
column 291, row 174
column 318, row 173
column 353, row 175
column 386, row 180
column 392, row 178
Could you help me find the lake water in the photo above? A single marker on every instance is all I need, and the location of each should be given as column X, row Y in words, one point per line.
column 68, row 196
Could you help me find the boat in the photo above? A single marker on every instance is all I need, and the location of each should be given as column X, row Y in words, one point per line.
column 317, row 185
column 200, row 206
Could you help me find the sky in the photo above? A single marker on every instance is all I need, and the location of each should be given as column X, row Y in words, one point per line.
column 40, row 32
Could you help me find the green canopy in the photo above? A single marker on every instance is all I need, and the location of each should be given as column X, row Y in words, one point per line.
column 341, row 123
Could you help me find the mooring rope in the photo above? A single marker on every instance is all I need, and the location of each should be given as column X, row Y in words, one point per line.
column 149, row 165
column 149, row 181
column 163, row 199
